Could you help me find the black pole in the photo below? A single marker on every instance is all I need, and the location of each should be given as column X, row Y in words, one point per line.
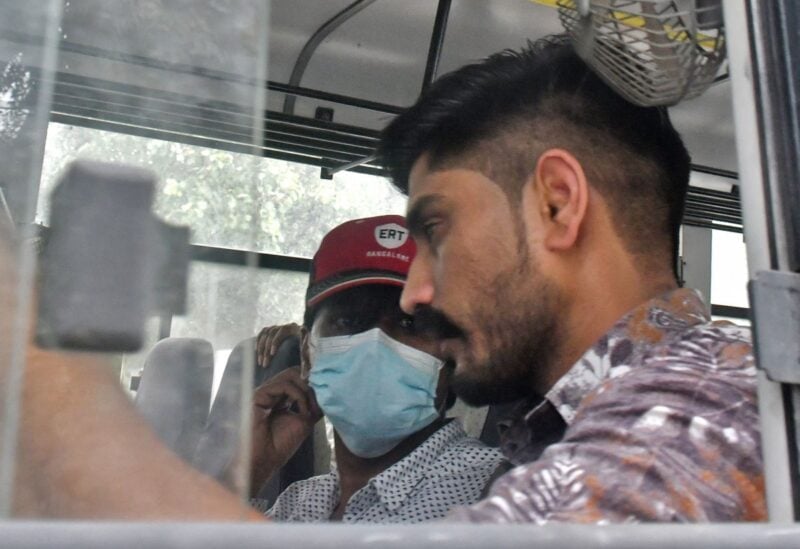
column 437, row 41
column 311, row 46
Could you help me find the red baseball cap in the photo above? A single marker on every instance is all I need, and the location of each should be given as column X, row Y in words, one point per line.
column 373, row 250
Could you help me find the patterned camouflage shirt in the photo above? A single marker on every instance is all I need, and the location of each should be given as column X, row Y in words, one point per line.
column 656, row 422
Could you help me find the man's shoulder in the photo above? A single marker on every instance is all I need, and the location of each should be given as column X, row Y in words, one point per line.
column 697, row 371
column 721, row 349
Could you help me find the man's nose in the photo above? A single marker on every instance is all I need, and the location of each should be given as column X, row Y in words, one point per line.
column 419, row 286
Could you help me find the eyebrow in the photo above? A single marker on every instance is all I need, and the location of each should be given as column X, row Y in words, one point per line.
column 416, row 213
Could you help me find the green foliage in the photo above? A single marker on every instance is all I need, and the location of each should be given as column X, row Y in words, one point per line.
column 235, row 201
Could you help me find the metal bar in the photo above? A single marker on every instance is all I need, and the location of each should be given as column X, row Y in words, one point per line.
column 779, row 54
column 199, row 119
column 733, row 207
column 709, row 225
column 334, row 98
column 129, row 94
column 774, row 50
column 311, row 46
column 244, row 258
column 731, row 195
column 112, row 104
column 327, row 173
column 722, row 195
column 712, row 214
column 365, row 133
column 96, row 85
column 93, row 83
column 714, row 171
column 730, row 311
column 97, row 124
column 290, row 131
column 700, row 214
column 338, row 154
column 715, row 206
column 197, row 535
column 755, row 213
column 437, row 42
column 717, row 214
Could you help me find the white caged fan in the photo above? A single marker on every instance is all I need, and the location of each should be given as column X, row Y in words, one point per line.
column 653, row 52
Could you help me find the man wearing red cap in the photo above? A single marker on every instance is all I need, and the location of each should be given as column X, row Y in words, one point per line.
column 376, row 378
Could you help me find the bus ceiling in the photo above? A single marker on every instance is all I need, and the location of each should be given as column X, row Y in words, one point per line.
column 352, row 63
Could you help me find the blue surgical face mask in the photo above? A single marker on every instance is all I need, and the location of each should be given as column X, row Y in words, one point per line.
column 374, row 390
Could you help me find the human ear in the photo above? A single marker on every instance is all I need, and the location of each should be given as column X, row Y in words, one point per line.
column 562, row 196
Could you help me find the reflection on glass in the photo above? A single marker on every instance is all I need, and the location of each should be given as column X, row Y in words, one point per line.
column 118, row 64
column 221, row 309
column 230, row 199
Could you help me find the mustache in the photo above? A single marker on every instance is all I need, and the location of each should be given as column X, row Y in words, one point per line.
column 433, row 323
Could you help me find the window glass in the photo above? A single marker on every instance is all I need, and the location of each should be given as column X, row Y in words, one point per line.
column 122, row 65
column 728, row 269
column 229, row 199
column 228, row 304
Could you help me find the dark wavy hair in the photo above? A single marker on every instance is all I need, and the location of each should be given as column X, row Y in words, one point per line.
column 499, row 115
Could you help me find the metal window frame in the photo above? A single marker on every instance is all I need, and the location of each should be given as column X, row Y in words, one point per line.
column 424, row 536
column 767, row 141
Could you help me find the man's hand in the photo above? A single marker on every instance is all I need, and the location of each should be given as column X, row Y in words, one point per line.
column 284, row 414
column 270, row 339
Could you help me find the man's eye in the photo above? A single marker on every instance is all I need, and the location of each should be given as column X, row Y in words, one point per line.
column 429, row 230
column 346, row 322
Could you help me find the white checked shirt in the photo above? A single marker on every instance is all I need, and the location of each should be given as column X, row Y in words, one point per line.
column 447, row 470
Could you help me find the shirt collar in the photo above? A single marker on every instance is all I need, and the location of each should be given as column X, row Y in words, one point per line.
column 626, row 343
column 396, row 483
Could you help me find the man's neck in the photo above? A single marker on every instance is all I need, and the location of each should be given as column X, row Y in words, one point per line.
column 600, row 300
column 355, row 471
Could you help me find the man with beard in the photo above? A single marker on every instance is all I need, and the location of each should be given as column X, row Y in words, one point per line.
column 546, row 211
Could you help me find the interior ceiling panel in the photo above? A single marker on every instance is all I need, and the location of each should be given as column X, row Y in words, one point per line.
column 145, row 68
column 706, row 124
column 380, row 53
column 477, row 29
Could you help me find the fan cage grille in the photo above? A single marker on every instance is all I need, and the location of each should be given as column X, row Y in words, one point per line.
column 653, row 52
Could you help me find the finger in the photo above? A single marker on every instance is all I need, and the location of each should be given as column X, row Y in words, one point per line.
column 267, row 350
column 277, row 337
column 268, row 397
column 295, row 376
column 303, row 404
column 261, row 345
column 271, row 395
column 282, row 334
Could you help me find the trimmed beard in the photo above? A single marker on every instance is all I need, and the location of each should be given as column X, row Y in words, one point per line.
column 520, row 320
